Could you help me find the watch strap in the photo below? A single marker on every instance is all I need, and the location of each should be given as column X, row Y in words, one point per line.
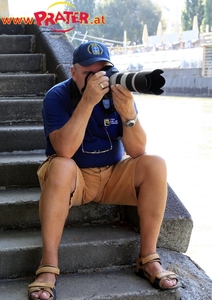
column 131, row 123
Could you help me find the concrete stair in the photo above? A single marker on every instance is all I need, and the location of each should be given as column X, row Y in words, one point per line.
column 102, row 284
column 16, row 44
column 25, row 85
column 100, row 242
column 11, row 135
column 34, row 63
column 18, row 110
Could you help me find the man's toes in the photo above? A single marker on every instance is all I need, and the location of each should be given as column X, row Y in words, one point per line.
column 35, row 295
column 168, row 282
column 43, row 295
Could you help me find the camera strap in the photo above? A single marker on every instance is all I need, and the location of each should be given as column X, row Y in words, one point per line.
column 75, row 94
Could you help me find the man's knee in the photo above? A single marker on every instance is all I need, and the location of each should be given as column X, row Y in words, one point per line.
column 157, row 161
column 63, row 162
column 151, row 163
column 62, row 169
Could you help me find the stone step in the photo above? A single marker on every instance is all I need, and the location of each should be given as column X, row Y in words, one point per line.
column 11, row 29
column 26, row 84
column 21, row 138
column 17, row 44
column 176, row 227
column 121, row 283
column 81, row 247
column 19, row 168
column 102, row 285
column 20, row 110
column 19, row 209
column 31, row 63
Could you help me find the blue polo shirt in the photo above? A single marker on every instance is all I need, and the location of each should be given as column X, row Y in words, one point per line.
column 102, row 143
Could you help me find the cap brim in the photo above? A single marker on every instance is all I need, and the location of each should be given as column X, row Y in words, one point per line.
column 92, row 61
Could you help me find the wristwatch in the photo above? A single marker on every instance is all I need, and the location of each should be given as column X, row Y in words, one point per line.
column 132, row 122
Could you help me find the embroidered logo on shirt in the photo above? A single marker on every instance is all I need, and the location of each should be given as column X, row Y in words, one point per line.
column 108, row 122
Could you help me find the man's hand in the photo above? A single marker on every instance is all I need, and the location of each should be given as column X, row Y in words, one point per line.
column 133, row 139
column 123, row 102
column 97, row 87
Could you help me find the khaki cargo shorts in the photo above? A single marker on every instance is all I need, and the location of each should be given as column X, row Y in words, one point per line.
column 107, row 185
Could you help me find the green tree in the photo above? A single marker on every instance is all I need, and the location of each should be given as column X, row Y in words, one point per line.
column 192, row 8
column 81, row 6
column 120, row 16
column 208, row 14
column 129, row 16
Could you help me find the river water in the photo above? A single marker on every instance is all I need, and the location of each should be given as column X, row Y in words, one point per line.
column 180, row 130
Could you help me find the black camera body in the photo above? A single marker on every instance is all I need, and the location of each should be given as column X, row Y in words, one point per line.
column 146, row 82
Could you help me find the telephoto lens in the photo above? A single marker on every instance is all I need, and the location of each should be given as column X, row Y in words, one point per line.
column 149, row 82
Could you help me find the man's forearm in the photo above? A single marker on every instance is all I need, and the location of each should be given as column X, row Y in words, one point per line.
column 134, row 140
column 67, row 139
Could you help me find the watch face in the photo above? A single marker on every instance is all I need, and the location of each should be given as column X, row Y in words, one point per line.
column 131, row 124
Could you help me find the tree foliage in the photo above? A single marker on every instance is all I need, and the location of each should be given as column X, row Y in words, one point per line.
column 120, row 16
column 192, row 8
column 83, row 5
column 208, row 14
column 129, row 16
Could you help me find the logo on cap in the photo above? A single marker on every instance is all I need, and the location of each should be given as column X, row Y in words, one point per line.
column 95, row 49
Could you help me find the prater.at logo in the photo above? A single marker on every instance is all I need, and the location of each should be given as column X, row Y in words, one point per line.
column 69, row 18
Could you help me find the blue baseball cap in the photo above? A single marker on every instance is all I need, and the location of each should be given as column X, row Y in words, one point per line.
column 91, row 52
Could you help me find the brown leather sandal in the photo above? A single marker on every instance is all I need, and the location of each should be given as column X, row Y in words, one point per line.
column 44, row 286
column 156, row 279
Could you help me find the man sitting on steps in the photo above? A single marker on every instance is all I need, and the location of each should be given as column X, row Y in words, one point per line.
column 85, row 146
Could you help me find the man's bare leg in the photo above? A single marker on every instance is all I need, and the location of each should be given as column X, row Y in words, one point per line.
column 151, row 179
column 53, row 210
